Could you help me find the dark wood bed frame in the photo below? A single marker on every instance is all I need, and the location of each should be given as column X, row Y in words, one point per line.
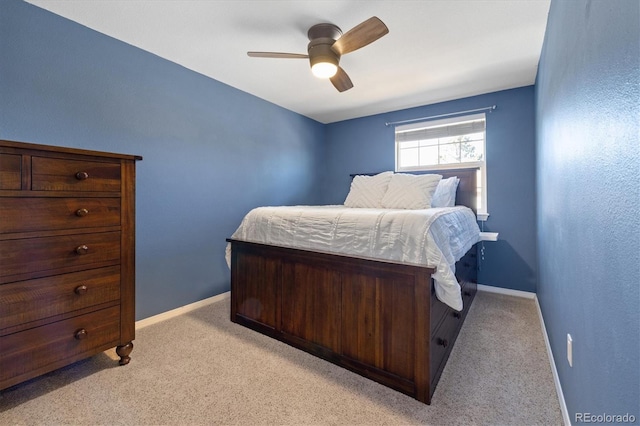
column 380, row 319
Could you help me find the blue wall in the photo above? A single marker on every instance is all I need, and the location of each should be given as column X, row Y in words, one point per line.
column 366, row 145
column 588, row 172
column 211, row 152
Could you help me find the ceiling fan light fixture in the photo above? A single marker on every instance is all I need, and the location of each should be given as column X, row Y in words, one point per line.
column 324, row 61
column 324, row 69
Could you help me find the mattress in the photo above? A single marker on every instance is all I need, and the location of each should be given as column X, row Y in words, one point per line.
column 435, row 237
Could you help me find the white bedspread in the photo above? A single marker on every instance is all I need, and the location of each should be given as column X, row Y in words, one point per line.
column 436, row 237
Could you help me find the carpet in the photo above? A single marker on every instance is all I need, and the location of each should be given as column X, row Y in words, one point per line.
column 202, row 369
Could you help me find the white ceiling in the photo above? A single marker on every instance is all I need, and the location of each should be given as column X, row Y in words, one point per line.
column 436, row 50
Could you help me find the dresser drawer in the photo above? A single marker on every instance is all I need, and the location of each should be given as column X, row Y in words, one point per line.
column 56, row 174
column 466, row 268
column 57, row 213
column 45, row 348
column 10, row 171
column 442, row 341
column 468, row 291
column 26, row 301
column 28, row 258
column 440, row 310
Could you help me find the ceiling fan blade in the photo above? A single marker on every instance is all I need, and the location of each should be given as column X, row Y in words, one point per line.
column 341, row 80
column 360, row 35
column 277, row 55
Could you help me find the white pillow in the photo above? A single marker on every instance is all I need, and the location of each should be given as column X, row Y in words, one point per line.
column 407, row 191
column 445, row 195
column 367, row 191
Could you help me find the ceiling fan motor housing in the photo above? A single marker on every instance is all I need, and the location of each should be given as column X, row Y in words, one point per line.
column 324, row 31
column 320, row 51
column 322, row 37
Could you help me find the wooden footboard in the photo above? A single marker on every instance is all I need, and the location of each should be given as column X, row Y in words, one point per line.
column 379, row 319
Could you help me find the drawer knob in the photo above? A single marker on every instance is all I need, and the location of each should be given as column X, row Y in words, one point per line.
column 82, row 175
column 456, row 315
column 467, row 293
column 443, row 342
column 82, row 249
column 80, row 334
column 82, row 212
column 80, row 290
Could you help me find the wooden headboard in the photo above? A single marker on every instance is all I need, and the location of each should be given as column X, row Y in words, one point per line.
column 467, row 188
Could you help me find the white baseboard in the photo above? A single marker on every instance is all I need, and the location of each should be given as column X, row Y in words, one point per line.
column 180, row 311
column 507, row 291
column 556, row 379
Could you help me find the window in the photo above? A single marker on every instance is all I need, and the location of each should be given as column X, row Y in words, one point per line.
column 452, row 143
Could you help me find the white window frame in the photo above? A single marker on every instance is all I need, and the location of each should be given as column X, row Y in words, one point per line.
column 480, row 165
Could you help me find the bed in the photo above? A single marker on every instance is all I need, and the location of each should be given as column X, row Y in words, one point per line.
column 379, row 317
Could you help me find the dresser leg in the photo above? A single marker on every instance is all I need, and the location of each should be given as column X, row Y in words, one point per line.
column 123, row 352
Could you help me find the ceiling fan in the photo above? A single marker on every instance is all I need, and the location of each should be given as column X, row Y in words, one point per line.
column 327, row 44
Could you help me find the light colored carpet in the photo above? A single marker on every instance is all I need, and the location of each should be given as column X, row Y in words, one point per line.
column 200, row 368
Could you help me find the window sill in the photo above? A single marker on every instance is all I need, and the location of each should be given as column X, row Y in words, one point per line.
column 482, row 217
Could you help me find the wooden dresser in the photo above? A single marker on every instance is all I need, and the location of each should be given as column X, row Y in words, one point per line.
column 67, row 257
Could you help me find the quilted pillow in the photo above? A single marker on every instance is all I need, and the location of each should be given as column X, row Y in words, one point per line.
column 407, row 191
column 445, row 195
column 367, row 191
